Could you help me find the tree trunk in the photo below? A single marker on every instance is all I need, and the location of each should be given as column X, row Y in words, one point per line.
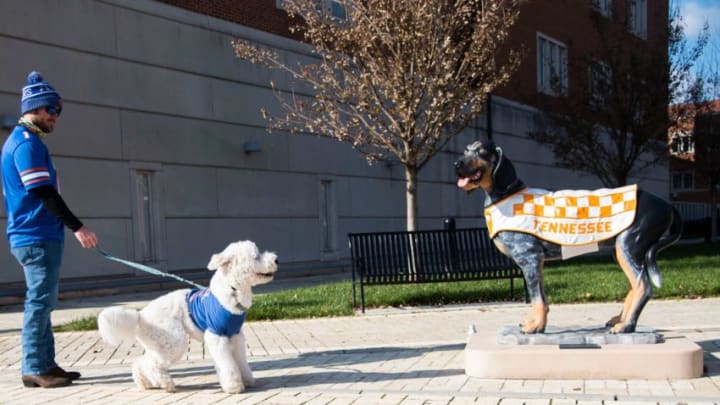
column 411, row 197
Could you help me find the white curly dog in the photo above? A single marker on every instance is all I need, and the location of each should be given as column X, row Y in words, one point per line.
column 214, row 314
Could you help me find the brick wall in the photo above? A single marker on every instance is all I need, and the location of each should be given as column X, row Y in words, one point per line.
column 259, row 14
column 567, row 21
column 570, row 22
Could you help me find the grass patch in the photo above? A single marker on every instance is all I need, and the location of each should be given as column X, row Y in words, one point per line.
column 86, row 323
column 688, row 271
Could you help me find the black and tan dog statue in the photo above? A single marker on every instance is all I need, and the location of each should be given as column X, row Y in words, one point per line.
column 533, row 225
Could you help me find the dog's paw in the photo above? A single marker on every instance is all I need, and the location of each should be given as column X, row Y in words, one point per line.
column 141, row 381
column 232, row 387
column 529, row 330
column 532, row 325
column 613, row 321
column 249, row 382
column 622, row 327
column 536, row 321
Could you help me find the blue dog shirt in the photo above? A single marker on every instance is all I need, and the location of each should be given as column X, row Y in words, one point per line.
column 208, row 314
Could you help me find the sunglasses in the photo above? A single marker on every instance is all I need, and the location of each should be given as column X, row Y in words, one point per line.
column 53, row 110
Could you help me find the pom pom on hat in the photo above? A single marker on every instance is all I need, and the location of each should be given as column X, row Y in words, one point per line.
column 37, row 93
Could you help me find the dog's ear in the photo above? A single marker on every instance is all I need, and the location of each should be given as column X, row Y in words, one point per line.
column 219, row 261
column 504, row 175
column 498, row 156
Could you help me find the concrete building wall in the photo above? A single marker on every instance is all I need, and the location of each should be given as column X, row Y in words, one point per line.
column 154, row 99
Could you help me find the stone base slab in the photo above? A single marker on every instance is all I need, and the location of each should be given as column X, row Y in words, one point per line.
column 575, row 335
column 675, row 357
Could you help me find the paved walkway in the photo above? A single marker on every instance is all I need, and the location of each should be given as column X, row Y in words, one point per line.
column 411, row 356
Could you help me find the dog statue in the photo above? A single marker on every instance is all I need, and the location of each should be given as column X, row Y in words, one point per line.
column 538, row 229
column 214, row 314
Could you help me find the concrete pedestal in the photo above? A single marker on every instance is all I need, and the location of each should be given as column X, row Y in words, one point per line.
column 676, row 358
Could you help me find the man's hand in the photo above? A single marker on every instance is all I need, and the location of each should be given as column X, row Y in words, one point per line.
column 86, row 238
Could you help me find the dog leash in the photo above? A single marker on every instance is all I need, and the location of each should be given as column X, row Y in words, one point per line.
column 144, row 268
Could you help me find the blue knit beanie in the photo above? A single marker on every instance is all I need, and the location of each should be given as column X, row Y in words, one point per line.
column 37, row 93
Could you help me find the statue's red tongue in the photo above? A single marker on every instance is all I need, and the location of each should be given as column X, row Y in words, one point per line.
column 463, row 181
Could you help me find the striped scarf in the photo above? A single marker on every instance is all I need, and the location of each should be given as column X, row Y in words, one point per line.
column 31, row 126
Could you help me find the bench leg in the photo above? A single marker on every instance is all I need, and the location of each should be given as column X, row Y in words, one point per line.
column 362, row 297
column 354, row 304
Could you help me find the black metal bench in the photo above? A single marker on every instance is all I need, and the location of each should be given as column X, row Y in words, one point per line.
column 427, row 256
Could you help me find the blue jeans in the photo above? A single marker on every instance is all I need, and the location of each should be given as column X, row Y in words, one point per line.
column 41, row 264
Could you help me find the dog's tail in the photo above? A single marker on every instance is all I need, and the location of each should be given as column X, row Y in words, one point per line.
column 116, row 324
column 673, row 234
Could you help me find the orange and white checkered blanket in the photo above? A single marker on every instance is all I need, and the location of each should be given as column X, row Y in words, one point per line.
column 567, row 217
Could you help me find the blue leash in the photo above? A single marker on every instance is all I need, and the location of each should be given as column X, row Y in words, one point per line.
column 144, row 268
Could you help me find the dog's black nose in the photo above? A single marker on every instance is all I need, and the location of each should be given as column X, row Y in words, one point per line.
column 458, row 164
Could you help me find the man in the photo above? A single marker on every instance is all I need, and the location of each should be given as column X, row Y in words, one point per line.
column 35, row 217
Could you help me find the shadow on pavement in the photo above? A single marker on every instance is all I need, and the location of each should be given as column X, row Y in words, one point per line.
column 711, row 362
column 337, row 365
column 356, row 356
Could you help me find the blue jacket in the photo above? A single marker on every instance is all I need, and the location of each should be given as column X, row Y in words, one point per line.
column 208, row 314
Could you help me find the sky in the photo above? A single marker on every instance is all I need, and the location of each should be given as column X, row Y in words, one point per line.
column 695, row 14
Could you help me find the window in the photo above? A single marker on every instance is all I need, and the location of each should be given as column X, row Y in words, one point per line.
column 551, row 66
column 144, row 216
column 682, row 142
column 331, row 8
column 600, row 83
column 328, row 219
column 335, row 9
column 603, row 7
column 637, row 18
column 682, row 181
column 147, row 221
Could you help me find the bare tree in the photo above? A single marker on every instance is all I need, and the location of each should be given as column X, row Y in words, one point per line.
column 396, row 79
column 702, row 119
column 617, row 125
column 706, row 136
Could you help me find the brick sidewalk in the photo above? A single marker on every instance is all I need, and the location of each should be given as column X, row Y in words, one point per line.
column 413, row 356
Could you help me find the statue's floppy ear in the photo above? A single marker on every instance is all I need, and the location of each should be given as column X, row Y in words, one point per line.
column 504, row 175
column 498, row 158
